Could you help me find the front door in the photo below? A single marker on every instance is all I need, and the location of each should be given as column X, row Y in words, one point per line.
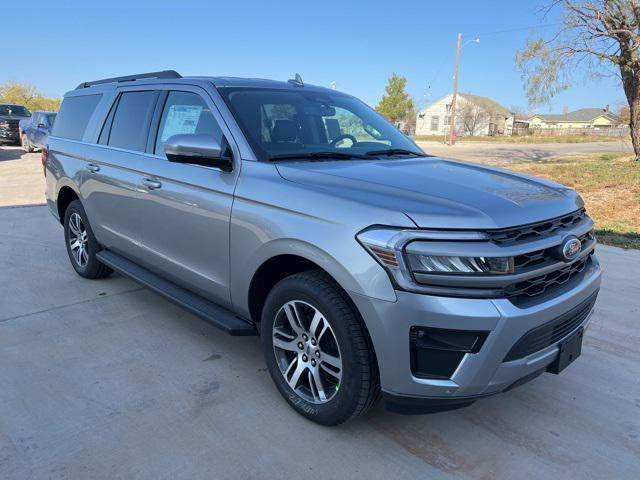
column 184, row 221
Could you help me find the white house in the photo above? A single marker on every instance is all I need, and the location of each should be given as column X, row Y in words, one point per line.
column 584, row 118
column 475, row 115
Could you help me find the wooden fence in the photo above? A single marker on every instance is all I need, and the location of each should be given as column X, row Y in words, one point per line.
column 622, row 132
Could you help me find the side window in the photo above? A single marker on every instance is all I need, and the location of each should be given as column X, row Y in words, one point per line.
column 131, row 120
column 74, row 115
column 184, row 113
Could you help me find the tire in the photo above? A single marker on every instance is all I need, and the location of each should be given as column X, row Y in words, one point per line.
column 77, row 231
column 26, row 145
column 347, row 391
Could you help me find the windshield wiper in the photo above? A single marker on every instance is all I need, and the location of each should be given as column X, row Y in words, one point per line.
column 317, row 156
column 394, row 151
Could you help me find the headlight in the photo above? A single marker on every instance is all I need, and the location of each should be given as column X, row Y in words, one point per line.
column 452, row 264
column 429, row 261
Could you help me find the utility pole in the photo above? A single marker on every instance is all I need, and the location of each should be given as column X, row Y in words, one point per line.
column 452, row 123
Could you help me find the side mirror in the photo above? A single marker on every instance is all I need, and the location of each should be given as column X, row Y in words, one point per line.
column 198, row 149
column 42, row 125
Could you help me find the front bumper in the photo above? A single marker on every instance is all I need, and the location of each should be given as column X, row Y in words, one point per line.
column 478, row 374
column 9, row 135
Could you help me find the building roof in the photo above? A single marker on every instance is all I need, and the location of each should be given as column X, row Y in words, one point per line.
column 491, row 106
column 581, row 115
column 486, row 103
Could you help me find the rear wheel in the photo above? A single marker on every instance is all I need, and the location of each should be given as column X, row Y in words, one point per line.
column 81, row 244
column 316, row 350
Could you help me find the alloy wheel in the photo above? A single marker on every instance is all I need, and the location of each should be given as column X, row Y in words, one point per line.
column 307, row 352
column 78, row 241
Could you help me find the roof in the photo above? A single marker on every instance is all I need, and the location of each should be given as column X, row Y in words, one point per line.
column 491, row 106
column 486, row 103
column 581, row 115
column 221, row 82
column 171, row 76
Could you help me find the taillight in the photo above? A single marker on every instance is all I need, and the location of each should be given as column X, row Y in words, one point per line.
column 43, row 159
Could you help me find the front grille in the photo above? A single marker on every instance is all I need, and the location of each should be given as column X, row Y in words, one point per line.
column 552, row 332
column 12, row 125
column 538, row 285
column 534, row 231
column 539, row 258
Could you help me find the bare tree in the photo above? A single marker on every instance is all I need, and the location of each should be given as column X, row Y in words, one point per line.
column 596, row 34
column 472, row 117
column 519, row 112
column 624, row 113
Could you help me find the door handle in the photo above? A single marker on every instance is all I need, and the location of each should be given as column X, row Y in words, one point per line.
column 93, row 168
column 151, row 184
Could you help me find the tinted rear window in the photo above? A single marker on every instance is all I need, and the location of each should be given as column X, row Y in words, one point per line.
column 74, row 115
column 131, row 121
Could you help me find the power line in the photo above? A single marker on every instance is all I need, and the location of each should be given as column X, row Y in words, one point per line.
column 518, row 29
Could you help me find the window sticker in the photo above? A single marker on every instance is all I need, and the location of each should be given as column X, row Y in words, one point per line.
column 181, row 119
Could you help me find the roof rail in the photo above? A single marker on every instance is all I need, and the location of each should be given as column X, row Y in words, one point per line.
column 131, row 78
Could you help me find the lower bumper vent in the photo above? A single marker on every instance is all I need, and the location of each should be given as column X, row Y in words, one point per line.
column 436, row 353
column 552, row 332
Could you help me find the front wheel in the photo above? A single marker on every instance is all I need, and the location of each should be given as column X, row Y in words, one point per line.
column 316, row 350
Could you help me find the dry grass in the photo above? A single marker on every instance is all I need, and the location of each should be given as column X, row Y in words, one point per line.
column 610, row 186
column 524, row 139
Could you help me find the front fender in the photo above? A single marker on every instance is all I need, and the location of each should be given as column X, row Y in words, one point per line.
column 347, row 263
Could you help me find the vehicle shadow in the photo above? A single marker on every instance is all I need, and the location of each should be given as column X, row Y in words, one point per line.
column 10, row 153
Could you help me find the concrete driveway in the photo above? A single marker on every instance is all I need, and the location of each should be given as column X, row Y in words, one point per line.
column 505, row 153
column 21, row 178
column 104, row 379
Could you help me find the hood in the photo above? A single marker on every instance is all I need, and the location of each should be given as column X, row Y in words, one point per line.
column 438, row 193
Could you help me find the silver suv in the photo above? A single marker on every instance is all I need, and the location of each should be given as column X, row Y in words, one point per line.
column 298, row 213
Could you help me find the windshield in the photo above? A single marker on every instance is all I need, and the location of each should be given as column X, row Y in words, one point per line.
column 285, row 123
column 51, row 117
column 16, row 110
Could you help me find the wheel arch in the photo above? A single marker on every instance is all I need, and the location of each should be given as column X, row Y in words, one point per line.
column 66, row 195
column 280, row 266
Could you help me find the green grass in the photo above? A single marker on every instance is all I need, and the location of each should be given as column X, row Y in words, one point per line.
column 618, row 239
column 609, row 183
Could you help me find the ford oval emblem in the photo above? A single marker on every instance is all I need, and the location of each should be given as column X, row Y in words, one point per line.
column 571, row 247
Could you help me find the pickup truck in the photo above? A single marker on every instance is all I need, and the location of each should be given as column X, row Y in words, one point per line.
column 10, row 115
column 34, row 131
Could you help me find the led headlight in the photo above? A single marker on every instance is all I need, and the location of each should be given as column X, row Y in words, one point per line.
column 421, row 260
column 454, row 264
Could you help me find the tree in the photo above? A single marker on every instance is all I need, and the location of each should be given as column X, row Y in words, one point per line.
column 624, row 113
column 396, row 105
column 520, row 113
column 28, row 96
column 471, row 117
column 595, row 34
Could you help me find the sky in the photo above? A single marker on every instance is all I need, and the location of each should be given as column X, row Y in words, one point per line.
column 356, row 44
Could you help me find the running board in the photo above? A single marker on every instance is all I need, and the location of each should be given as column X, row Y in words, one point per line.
column 215, row 314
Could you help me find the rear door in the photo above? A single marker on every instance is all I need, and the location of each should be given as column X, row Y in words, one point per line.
column 112, row 191
column 184, row 219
